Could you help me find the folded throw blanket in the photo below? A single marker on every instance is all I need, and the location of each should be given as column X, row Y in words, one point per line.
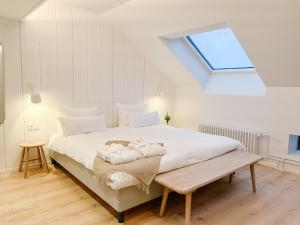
column 137, row 158
column 145, row 169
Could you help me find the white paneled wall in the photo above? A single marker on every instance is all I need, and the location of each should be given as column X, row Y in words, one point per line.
column 71, row 58
column 12, row 131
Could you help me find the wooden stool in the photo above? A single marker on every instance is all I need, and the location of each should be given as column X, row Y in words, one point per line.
column 26, row 146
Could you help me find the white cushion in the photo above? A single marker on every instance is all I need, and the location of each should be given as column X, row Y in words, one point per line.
column 81, row 125
column 77, row 112
column 124, row 109
column 143, row 119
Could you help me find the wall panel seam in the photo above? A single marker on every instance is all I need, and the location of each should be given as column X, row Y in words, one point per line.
column 73, row 81
column 112, row 72
column 39, row 46
column 22, row 79
column 57, row 59
column 87, row 59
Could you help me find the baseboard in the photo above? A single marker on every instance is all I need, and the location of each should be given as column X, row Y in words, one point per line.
column 282, row 164
column 14, row 170
column 8, row 171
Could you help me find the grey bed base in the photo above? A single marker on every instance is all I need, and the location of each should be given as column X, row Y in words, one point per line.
column 120, row 200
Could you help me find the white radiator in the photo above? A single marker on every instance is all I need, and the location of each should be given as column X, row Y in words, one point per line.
column 248, row 138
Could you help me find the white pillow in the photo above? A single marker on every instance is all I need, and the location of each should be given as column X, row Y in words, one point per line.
column 143, row 119
column 81, row 125
column 77, row 112
column 123, row 110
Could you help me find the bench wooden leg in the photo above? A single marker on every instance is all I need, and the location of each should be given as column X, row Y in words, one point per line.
column 188, row 203
column 164, row 201
column 252, row 170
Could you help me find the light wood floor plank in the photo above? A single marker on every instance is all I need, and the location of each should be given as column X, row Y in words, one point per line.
column 56, row 199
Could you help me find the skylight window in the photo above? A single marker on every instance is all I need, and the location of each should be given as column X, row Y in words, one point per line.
column 220, row 49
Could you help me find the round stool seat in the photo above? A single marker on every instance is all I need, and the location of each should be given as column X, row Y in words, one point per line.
column 32, row 144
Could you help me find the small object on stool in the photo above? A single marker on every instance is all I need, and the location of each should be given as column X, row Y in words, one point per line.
column 26, row 146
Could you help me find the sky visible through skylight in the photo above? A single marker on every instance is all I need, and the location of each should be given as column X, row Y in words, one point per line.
column 220, row 49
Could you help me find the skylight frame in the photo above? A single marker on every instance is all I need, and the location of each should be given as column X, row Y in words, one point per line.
column 202, row 57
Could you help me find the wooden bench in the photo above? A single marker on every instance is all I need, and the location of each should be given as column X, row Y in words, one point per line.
column 188, row 179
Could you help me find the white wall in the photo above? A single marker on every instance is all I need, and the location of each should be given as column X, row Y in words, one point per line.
column 71, row 57
column 12, row 131
column 276, row 114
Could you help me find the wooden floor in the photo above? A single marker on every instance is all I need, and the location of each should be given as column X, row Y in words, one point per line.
column 55, row 199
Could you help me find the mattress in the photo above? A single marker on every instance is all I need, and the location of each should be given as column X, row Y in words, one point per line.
column 183, row 146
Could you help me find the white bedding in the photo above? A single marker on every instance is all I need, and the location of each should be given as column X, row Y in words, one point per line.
column 184, row 147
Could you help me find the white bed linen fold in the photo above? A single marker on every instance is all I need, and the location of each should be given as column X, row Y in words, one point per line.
column 117, row 154
column 183, row 146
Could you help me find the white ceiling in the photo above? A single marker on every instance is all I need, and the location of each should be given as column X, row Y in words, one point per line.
column 268, row 30
column 98, row 6
column 16, row 9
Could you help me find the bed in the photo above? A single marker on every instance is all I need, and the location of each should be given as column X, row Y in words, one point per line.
column 184, row 147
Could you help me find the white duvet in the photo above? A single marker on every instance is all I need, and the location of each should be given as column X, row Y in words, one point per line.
column 183, row 147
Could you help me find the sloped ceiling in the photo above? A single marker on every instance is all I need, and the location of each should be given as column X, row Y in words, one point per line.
column 16, row 9
column 97, row 6
column 268, row 30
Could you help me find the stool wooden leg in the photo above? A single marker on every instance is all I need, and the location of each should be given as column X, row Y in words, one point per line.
column 22, row 159
column 39, row 157
column 26, row 161
column 44, row 157
column 188, row 204
column 252, row 170
column 164, row 201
